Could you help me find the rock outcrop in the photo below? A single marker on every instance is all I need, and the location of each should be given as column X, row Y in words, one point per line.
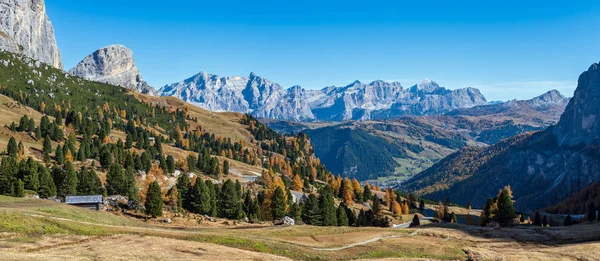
column 580, row 124
column 26, row 29
column 114, row 65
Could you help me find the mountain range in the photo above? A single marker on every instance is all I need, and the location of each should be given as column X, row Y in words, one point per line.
column 397, row 149
column 542, row 168
column 356, row 101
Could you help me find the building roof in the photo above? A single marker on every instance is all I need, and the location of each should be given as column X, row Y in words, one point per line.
column 83, row 199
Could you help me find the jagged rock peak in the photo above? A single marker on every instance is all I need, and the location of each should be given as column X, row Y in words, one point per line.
column 580, row 121
column 26, row 29
column 115, row 65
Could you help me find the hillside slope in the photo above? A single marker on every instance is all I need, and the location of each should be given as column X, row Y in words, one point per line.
column 542, row 169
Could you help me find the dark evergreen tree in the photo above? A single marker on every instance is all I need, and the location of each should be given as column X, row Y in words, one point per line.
column 19, row 188
column 537, row 218
column 342, row 218
column 129, row 187
column 545, row 221
column 225, row 168
column 422, row 205
column 47, row 148
column 154, row 200
column 115, row 180
column 69, row 186
column 213, row 191
column 415, row 221
column 376, row 206
column 12, row 149
column 170, row 164
column 328, row 209
column 367, row 193
column 506, row 211
column 278, row 204
column 229, row 205
column 311, row 214
column 47, row 188
column 568, row 221
column 591, row 213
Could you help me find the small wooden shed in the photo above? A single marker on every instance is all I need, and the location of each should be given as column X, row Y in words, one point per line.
column 88, row 201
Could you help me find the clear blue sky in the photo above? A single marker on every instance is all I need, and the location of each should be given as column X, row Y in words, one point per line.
column 508, row 49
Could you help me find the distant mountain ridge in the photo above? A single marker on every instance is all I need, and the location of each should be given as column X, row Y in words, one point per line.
column 356, row 101
column 542, row 168
column 400, row 148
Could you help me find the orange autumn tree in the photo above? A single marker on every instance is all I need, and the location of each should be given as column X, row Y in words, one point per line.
column 276, row 182
column 396, row 208
column 298, row 184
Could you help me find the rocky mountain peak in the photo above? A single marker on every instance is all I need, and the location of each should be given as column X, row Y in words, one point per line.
column 115, row 65
column 26, row 29
column 580, row 121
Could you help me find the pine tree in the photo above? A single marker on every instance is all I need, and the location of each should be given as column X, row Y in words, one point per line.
column 115, row 180
column 70, row 182
column 278, row 204
column 422, row 205
column 342, row 218
column 311, row 212
column 537, row 218
column 170, row 164
column 506, row 211
column 47, row 148
column 568, row 221
column 228, row 202
column 328, row 209
column 129, row 187
column 225, row 168
column 202, row 200
column 213, row 191
column 58, row 155
column 453, row 218
column 154, row 200
column 47, row 188
column 415, row 221
column 376, row 207
column 544, row 221
column 367, row 193
column 12, row 149
column 19, row 189
column 591, row 214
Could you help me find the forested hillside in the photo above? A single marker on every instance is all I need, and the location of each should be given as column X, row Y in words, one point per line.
column 68, row 136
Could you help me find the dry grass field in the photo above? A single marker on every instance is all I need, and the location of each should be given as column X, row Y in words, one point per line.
column 33, row 229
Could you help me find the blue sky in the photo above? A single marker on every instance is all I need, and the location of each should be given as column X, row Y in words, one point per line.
column 508, row 49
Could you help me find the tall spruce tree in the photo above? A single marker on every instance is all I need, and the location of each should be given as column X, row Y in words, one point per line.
column 229, row 205
column 12, row 149
column 506, row 211
column 70, row 182
column 342, row 218
column 278, row 204
column 154, row 200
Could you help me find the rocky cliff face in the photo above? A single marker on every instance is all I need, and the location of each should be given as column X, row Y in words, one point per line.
column 114, row 65
column 542, row 168
column 26, row 29
column 580, row 122
column 356, row 101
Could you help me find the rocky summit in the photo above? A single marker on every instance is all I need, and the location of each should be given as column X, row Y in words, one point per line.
column 356, row 101
column 114, row 65
column 26, row 29
column 579, row 124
